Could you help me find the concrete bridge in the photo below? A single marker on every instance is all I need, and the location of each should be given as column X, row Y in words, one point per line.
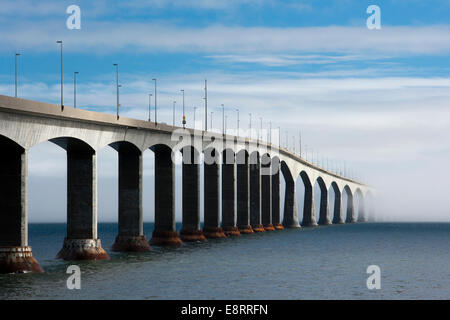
column 249, row 187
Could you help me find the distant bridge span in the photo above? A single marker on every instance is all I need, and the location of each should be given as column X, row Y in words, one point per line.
column 250, row 184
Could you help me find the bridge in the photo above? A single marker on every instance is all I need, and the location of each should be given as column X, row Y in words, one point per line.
column 241, row 174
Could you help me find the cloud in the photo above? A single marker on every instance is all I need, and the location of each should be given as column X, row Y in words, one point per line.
column 108, row 37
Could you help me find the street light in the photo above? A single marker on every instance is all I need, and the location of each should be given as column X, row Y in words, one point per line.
column 173, row 114
column 15, row 59
column 226, row 117
column 75, row 89
column 206, row 105
column 155, row 101
column 195, row 109
column 260, row 129
column 250, row 125
column 223, row 118
column 62, row 88
column 184, row 115
column 212, row 112
column 270, row 132
column 117, row 89
column 150, row 107
column 237, row 110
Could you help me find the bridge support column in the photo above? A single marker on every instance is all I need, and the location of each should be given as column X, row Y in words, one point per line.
column 372, row 214
column 191, row 232
column 266, row 193
column 211, row 228
column 15, row 254
column 243, row 192
column 275, row 181
column 337, row 214
column 350, row 216
column 131, row 234
column 228, row 196
column 165, row 233
column 361, row 210
column 309, row 216
column 290, row 206
column 324, row 215
column 255, row 193
column 81, row 242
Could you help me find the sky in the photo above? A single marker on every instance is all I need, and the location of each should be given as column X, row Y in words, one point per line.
column 377, row 100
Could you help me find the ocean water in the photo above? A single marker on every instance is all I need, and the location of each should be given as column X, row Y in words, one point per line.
column 327, row 262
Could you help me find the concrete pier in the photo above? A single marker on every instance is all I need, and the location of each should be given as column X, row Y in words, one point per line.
column 337, row 211
column 211, row 228
column 361, row 210
column 350, row 215
column 81, row 242
column 190, row 231
column 255, row 193
column 243, row 193
column 15, row 254
column 324, row 214
column 165, row 233
column 275, row 184
column 228, row 194
column 131, row 234
column 309, row 216
column 266, row 193
column 290, row 217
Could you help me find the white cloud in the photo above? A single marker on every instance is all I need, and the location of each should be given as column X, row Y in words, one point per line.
column 107, row 37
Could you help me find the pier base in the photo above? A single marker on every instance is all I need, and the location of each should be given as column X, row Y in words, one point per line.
column 192, row 236
column 165, row 238
column 258, row 228
column 231, row 231
column 278, row 226
column 213, row 233
column 130, row 244
column 82, row 249
column 18, row 260
column 246, row 230
column 269, row 227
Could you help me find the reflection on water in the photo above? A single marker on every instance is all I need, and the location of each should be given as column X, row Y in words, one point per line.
column 318, row 263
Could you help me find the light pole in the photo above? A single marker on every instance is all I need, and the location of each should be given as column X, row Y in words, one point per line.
column 237, row 110
column 212, row 112
column 260, row 129
column 15, row 60
column 150, row 107
column 155, row 101
column 195, row 109
column 223, row 118
column 173, row 114
column 279, row 138
column 206, row 105
column 270, row 132
column 75, row 89
column 250, row 125
column 117, row 88
column 225, row 131
column 62, row 88
column 300, row 142
column 184, row 115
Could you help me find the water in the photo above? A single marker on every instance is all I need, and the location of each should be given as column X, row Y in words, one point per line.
column 327, row 262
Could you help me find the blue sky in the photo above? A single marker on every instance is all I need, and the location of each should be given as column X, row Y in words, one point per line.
column 377, row 99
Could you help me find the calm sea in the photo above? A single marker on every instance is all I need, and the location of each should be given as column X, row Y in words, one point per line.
column 319, row 263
